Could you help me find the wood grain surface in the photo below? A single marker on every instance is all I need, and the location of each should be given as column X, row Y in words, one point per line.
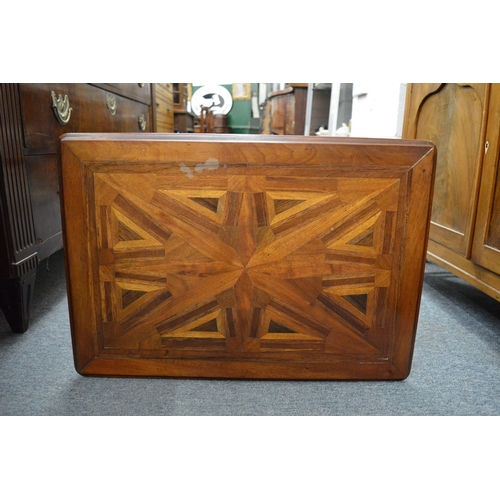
column 244, row 256
column 452, row 116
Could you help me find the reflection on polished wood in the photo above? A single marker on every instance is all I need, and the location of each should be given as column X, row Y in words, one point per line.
column 245, row 256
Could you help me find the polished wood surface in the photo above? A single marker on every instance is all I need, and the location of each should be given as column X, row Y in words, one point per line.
column 486, row 243
column 221, row 124
column 462, row 119
column 184, row 122
column 30, row 220
column 244, row 256
column 181, row 95
column 18, row 250
column 90, row 113
column 453, row 117
column 164, row 107
column 141, row 92
column 288, row 110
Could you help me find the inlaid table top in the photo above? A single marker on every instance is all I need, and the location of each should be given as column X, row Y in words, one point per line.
column 236, row 256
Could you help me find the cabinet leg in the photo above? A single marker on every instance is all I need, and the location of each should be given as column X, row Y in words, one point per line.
column 15, row 300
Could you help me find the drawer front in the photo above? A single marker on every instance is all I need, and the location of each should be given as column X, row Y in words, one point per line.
column 164, row 108
column 140, row 91
column 167, row 89
column 92, row 110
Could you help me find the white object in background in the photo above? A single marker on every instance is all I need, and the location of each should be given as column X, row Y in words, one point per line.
column 332, row 112
column 255, row 107
column 262, row 93
column 322, row 131
column 359, row 89
column 334, row 108
column 216, row 97
column 343, row 131
column 380, row 112
column 309, row 100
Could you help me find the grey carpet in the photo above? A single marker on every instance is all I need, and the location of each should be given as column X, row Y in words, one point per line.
column 456, row 368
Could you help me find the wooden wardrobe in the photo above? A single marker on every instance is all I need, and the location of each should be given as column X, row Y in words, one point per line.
column 463, row 121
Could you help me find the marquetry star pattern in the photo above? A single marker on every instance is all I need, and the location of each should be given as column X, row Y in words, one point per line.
column 238, row 262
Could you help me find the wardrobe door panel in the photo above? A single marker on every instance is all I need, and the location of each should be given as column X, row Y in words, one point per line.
column 453, row 117
column 486, row 248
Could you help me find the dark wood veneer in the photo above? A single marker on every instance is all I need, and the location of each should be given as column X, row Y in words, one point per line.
column 30, row 222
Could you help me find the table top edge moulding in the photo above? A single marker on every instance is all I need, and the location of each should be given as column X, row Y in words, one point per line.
column 230, row 256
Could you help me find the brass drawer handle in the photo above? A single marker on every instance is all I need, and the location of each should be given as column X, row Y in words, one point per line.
column 141, row 85
column 111, row 103
column 142, row 123
column 61, row 108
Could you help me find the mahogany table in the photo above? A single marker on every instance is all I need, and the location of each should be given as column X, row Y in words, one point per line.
column 236, row 256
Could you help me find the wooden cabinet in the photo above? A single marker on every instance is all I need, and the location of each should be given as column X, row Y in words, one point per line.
column 32, row 118
column 288, row 110
column 164, row 107
column 184, row 121
column 486, row 242
column 181, row 95
column 463, row 121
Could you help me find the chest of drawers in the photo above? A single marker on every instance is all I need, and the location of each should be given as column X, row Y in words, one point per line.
column 32, row 118
column 164, row 107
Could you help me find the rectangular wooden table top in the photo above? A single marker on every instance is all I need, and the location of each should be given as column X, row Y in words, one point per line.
column 236, row 256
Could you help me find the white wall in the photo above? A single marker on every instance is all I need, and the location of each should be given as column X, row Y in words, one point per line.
column 378, row 110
